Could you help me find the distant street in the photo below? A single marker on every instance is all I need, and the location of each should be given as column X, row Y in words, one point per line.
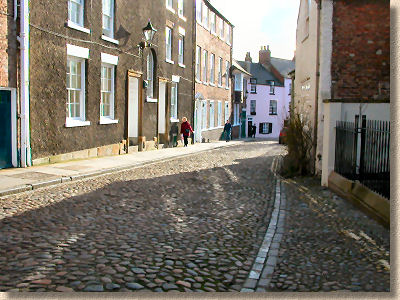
column 194, row 223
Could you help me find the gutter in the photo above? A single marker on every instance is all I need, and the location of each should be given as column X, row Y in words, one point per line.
column 319, row 4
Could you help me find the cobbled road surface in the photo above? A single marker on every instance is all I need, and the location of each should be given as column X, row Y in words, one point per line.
column 188, row 224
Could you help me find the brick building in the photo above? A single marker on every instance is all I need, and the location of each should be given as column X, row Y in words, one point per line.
column 213, row 60
column 342, row 68
column 94, row 91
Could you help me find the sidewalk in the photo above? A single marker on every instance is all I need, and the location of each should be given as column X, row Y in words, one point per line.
column 18, row 180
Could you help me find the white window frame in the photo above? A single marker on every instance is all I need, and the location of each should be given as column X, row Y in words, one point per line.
column 181, row 9
column 213, row 22
column 205, row 18
column 236, row 117
column 181, row 50
column 150, row 76
column 81, row 6
column 226, row 112
column 272, row 87
column 174, row 102
column 110, row 32
column 272, row 106
column 169, row 4
column 203, row 114
column 221, row 29
column 168, row 45
column 219, row 115
column 108, row 60
column 220, row 61
column 228, row 33
column 81, row 120
column 107, row 119
column 253, row 106
column 253, row 85
column 204, row 66
column 239, row 82
column 212, row 69
column 198, row 63
column 227, row 64
column 212, row 114
column 199, row 13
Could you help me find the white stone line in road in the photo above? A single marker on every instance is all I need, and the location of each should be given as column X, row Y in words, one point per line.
column 263, row 267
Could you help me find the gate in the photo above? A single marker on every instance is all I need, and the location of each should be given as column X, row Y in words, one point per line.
column 5, row 134
column 363, row 153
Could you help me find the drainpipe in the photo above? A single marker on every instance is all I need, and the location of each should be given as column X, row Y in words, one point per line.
column 317, row 86
column 24, row 48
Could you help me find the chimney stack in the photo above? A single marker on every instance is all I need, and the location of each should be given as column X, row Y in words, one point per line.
column 248, row 57
column 264, row 56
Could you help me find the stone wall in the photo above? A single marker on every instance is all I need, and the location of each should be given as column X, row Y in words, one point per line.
column 361, row 49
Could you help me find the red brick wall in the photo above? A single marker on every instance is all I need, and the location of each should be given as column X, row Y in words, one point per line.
column 8, row 50
column 361, row 50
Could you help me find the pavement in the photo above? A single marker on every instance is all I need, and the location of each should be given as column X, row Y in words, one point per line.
column 16, row 180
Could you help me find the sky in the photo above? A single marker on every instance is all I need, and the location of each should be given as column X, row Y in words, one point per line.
column 261, row 23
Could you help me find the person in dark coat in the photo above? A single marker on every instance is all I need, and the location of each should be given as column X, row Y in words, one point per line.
column 186, row 130
column 227, row 130
column 254, row 131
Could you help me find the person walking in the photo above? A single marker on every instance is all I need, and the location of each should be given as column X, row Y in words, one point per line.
column 254, row 128
column 227, row 130
column 186, row 130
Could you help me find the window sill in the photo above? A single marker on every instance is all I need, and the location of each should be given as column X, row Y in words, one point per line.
column 198, row 81
column 151, row 100
column 108, row 39
column 171, row 9
column 76, row 123
column 169, row 61
column 173, row 120
column 220, row 86
column 205, row 82
column 105, row 121
column 212, row 84
column 72, row 25
column 182, row 18
column 227, row 88
column 181, row 65
column 273, row 114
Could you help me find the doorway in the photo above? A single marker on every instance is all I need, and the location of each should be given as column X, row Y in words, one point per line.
column 133, row 109
column 6, row 145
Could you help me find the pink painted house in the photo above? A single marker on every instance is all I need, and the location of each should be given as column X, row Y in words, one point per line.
column 268, row 97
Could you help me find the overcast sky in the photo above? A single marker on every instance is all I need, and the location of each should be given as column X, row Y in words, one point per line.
column 261, row 23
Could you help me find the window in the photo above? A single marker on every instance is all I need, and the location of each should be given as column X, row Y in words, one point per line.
column 205, row 60
column 228, row 34
column 150, row 75
column 253, row 85
column 212, row 114
column 168, row 44
column 198, row 10
column 272, row 87
column 220, row 72
column 174, row 101
column 227, row 113
column 75, row 88
column 107, row 91
column 180, row 8
column 239, row 82
column 75, row 11
column 219, row 115
column 273, row 107
column 213, row 22
column 236, row 116
column 203, row 114
column 198, row 54
column 252, row 107
column 108, row 18
column 265, row 128
column 205, row 15
column 221, row 29
column 180, row 50
column 169, row 4
column 212, row 68
column 227, row 74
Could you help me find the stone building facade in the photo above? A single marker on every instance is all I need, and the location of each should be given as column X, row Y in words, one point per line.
column 213, row 61
column 342, row 68
column 94, row 91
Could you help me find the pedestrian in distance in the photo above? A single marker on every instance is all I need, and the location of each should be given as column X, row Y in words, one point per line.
column 227, row 130
column 186, row 130
column 253, row 131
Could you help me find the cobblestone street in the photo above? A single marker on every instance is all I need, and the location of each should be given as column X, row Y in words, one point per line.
column 195, row 223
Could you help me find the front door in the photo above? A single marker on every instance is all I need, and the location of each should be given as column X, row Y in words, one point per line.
column 249, row 128
column 133, row 109
column 5, row 125
column 161, row 108
column 197, row 121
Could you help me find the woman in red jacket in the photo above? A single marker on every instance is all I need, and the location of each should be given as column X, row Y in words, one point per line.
column 186, row 130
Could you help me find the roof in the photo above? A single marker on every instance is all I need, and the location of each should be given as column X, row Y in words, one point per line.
column 284, row 66
column 235, row 64
column 212, row 8
column 261, row 74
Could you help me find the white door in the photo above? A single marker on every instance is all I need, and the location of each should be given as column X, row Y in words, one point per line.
column 161, row 107
column 197, row 122
column 133, row 107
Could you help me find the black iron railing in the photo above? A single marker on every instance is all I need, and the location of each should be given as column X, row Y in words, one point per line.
column 362, row 153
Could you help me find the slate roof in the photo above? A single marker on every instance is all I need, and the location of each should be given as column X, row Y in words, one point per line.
column 261, row 73
column 235, row 64
column 284, row 66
